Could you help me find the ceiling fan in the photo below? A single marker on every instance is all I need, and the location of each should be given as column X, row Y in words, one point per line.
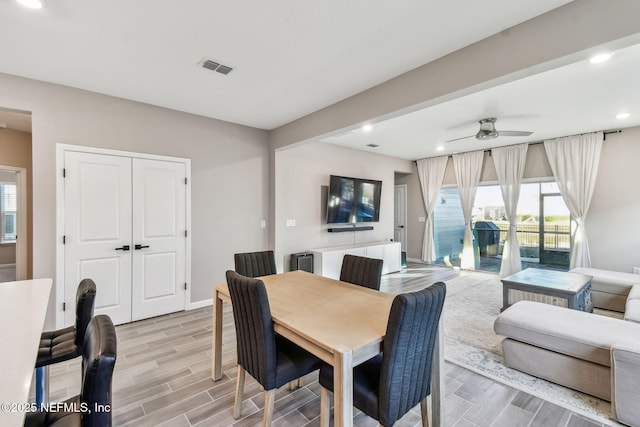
column 488, row 131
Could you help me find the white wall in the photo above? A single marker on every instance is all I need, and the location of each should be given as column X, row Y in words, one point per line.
column 229, row 169
column 300, row 174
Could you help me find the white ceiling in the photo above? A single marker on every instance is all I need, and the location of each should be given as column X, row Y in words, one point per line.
column 294, row 57
column 290, row 57
column 577, row 98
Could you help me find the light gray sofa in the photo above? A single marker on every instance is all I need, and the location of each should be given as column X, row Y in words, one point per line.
column 595, row 354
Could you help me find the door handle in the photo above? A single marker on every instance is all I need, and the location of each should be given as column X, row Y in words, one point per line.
column 138, row 247
column 123, row 248
column 401, row 226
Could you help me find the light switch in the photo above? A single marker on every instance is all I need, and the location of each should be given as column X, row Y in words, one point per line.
column 421, row 219
column 263, row 223
column 290, row 223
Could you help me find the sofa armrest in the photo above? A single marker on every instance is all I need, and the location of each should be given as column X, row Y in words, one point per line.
column 625, row 381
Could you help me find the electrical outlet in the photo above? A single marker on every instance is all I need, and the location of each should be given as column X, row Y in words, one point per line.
column 636, row 270
column 290, row 223
column 421, row 219
column 263, row 223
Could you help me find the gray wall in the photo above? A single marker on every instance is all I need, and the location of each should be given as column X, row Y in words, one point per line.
column 229, row 169
column 611, row 224
column 300, row 174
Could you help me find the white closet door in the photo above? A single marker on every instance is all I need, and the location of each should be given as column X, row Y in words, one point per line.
column 97, row 221
column 159, row 241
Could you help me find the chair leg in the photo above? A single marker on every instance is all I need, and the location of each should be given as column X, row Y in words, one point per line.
column 296, row 384
column 424, row 409
column 237, row 407
column 325, row 407
column 269, row 398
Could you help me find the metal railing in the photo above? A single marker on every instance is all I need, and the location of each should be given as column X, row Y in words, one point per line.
column 555, row 236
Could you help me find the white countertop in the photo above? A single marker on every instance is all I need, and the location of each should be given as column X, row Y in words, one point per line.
column 23, row 308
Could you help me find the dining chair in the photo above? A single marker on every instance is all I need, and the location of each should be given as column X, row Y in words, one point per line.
column 387, row 386
column 64, row 344
column 255, row 264
column 268, row 357
column 361, row 271
column 92, row 407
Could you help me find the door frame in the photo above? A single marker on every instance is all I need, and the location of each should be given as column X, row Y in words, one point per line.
column 61, row 149
column 403, row 241
column 22, row 242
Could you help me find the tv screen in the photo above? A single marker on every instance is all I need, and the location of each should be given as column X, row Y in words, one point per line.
column 353, row 200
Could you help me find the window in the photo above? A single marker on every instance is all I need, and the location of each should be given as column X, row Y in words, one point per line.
column 8, row 209
column 543, row 226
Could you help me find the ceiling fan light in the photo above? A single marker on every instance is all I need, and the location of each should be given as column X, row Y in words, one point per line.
column 32, row 4
column 484, row 134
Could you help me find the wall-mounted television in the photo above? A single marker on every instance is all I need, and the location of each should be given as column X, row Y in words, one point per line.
column 353, row 200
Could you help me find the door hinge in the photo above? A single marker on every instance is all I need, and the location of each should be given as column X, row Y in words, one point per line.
column 185, row 286
column 64, row 306
column 64, row 240
column 64, row 172
column 185, row 181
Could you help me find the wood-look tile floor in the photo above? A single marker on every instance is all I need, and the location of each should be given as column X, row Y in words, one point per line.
column 163, row 378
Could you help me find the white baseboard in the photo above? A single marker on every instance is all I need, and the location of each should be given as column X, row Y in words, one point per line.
column 414, row 260
column 200, row 304
column 7, row 266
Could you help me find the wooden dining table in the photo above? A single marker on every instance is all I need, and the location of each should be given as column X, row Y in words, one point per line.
column 341, row 323
column 23, row 308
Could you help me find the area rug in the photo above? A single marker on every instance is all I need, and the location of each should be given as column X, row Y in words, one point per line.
column 472, row 304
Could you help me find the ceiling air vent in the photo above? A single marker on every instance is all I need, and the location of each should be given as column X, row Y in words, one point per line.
column 212, row 65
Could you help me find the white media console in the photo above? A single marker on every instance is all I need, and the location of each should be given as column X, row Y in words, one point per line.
column 328, row 261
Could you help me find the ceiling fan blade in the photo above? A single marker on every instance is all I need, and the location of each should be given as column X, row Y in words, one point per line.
column 458, row 139
column 513, row 133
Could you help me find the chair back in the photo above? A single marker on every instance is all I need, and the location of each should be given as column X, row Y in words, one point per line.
column 405, row 374
column 361, row 271
column 256, row 344
column 255, row 264
column 98, row 361
column 85, row 302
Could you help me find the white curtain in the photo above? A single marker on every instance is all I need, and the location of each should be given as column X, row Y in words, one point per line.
column 574, row 161
column 431, row 174
column 468, row 167
column 509, row 163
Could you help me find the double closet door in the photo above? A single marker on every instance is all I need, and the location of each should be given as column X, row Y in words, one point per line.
column 125, row 228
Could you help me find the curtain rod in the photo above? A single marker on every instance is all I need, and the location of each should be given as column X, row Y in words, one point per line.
column 604, row 138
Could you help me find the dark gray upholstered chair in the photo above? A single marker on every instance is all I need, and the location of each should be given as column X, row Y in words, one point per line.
column 387, row 386
column 98, row 351
column 65, row 344
column 255, row 264
column 361, row 271
column 269, row 358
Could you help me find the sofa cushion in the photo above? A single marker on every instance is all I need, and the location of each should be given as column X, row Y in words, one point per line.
column 634, row 293
column 612, row 282
column 575, row 333
column 632, row 311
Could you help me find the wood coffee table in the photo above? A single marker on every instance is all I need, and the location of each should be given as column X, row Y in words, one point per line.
column 570, row 290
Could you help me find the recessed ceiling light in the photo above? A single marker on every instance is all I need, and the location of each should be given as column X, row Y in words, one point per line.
column 439, row 148
column 600, row 58
column 367, row 128
column 32, row 4
column 622, row 116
